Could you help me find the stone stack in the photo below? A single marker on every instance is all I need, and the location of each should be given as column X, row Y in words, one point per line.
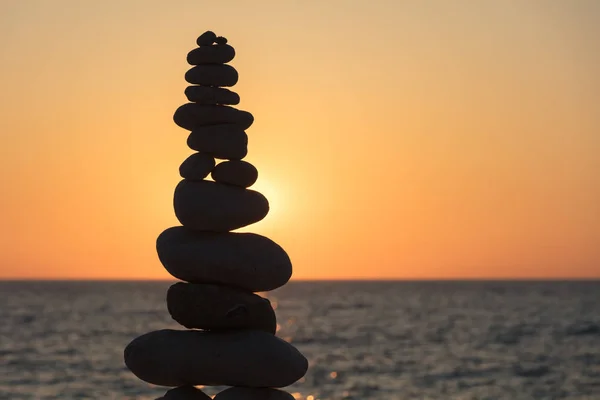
column 231, row 338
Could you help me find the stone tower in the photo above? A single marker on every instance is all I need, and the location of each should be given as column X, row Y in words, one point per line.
column 230, row 339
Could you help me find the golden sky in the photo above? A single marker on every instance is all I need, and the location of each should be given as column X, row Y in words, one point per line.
column 394, row 139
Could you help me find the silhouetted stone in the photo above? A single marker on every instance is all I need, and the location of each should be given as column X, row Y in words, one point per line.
column 192, row 115
column 206, row 39
column 219, row 54
column 210, row 206
column 225, row 141
column 221, row 40
column 236, row 358
column 244, row 260
column 208, row 95
column 186, row 393
column 238, row 173
column 217, row 307
column 243, row 393
column 197, row 166
column 212, row 75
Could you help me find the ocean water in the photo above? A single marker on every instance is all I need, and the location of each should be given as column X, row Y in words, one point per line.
column 364, row 340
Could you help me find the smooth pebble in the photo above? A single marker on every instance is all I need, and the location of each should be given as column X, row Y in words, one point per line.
column 235, row 358
column 218, row 307
column 243, row 393
column 212, row 75
column 226, row 141
column 208, row 95
column 192, row 115
column 243, row 260
column 206, row 39
column 219, row 54
column 237, row 173
column 186, row 393
column 197, row 166
column 215, row 207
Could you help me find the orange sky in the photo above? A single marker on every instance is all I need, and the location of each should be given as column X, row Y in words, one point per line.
column 394, row 139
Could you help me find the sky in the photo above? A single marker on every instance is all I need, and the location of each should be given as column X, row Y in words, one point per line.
column 394, row 139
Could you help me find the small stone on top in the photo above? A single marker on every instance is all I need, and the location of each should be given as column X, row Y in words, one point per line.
column 206, row 39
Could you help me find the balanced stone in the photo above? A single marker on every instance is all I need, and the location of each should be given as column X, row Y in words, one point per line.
column 244, row 260
column 219, row 54
column 192, row 115
column 244, row 393
column 217, row 307
column 227, row 141
column 206, row 39
column 211, row 95
column 236, row 358
column 237, row 173
column 197, row 166
column 211, row 206
column 186, row 393
column 212, row 75
column 221, row 40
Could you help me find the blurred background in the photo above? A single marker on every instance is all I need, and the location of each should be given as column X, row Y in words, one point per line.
column 411, row 140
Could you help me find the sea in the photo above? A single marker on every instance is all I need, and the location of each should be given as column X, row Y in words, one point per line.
column 364, row 340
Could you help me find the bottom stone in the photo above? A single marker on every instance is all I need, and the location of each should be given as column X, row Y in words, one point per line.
column 238, row 358
column 240, row 393
column 185, row 393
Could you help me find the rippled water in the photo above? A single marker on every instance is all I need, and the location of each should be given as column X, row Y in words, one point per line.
column 364, row 340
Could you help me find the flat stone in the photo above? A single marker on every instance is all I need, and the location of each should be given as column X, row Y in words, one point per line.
column 236, row 358
column 197, row 166
column 237, row 173
column 219, row 54
column 227, row 141
column 211, row 206
column 186, row 393
column 192, row 115
column 244, row 260
column 206, row 39
column 211, row 95
column 217, row 307
column 212, row 75
column 244, row 393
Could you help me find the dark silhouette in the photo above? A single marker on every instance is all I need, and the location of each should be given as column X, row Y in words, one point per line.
column 236, row 343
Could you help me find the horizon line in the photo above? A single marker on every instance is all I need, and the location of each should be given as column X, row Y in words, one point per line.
column 345, row 279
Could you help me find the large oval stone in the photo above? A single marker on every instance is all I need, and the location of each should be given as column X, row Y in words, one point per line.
column 211, row 95
column 211, row 206
column 186, row 393
column 244, row 393
column 212, row 75
column 226, row 141
column 219, row 54
column 218, row 307
column 243, row 358
column 237, row 173
column 244, row 260
column 197, row 166
column 192, row 115
column 206, row 39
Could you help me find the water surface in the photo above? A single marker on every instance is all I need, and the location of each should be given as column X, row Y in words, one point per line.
column 364, row 340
